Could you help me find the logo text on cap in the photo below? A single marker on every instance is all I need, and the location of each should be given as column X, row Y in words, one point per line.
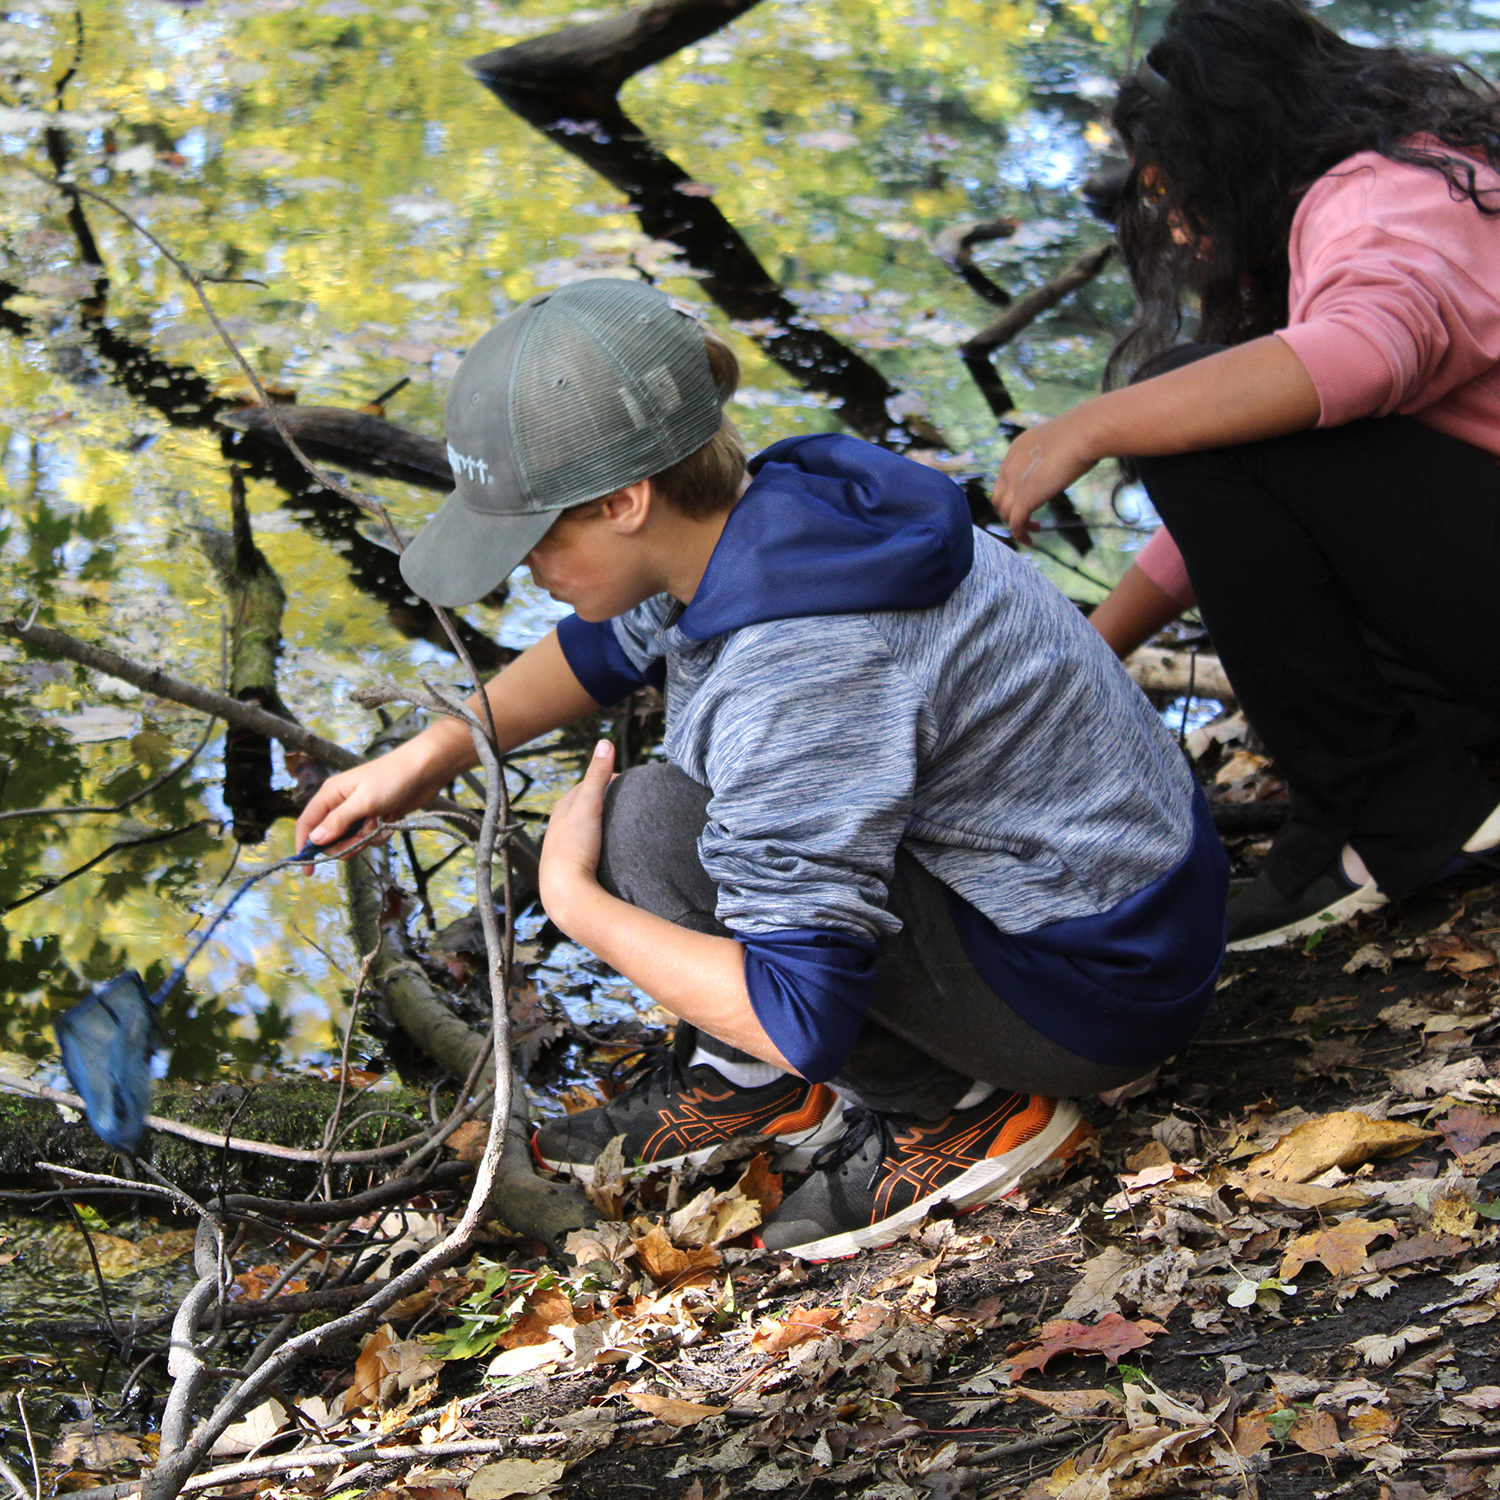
column 470, row 468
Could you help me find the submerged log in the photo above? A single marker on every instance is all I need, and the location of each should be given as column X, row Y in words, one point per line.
column 1179, row 673
column 256, row 603
column 522, row 1201
column 335, row 433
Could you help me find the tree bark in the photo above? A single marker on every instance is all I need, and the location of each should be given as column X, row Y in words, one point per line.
column 547, row 1211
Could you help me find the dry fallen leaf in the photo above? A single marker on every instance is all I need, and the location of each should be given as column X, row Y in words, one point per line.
column 1259, row 1188
column 670, row 1410
column 545, row 1309
column 799, row 1325
column 1112, row 1336
column 369, row 1372
column 1466, row 1129
column 607, row 1190
column 468, row 1141
column 763, row 1186
column 257, row 1427
column 1340, row 1248
column 515, row 1476
column 1315, row 1432
column 665, row 1264
column 712, row 1218
column 1346, row 1139
column 1072, row 1404
column 101, row 1450
column 1381, row 1349
column 527, row 1358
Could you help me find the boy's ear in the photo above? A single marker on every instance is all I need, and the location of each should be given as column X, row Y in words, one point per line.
column 628, row 509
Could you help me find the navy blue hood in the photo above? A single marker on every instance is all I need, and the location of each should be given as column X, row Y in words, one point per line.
column 831, row 525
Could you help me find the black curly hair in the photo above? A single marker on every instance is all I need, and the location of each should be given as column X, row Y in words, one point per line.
column 1234, row 113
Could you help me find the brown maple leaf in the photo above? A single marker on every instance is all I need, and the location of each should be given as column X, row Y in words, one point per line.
column 1340, row 1248
column 799, row 1325
column 1466, row 1129
column 1112, row 1336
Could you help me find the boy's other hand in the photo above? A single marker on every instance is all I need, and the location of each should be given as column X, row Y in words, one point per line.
column 570, row 851
column 1040, row 463
column 351, row 804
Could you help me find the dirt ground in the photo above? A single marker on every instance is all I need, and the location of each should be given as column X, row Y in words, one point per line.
column 1284, row 1321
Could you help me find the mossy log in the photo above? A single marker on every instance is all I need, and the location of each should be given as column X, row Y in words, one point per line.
column 284, row 1111
column 256, row 602
column 522, row 1201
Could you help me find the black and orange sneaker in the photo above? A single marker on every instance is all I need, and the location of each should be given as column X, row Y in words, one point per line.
column 888, row 1172
column 672, row 1115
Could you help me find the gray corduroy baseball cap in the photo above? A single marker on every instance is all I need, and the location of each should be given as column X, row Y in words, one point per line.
column 575, row 394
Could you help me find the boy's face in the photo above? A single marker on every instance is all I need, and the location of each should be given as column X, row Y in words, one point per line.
column 594, row 560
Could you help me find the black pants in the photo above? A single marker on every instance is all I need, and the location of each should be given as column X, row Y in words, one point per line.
column 934, row 1025
column 1347, row 576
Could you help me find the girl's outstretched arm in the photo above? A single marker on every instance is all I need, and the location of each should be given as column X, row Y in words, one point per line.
column 1256, row 390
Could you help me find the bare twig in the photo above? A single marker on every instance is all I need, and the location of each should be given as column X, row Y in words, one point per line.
column 212, row 1138
column 955, row 247
column 1030, row 307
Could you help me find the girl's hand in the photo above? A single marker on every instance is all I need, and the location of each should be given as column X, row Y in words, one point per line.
column 570, row 851
column 1041, row 463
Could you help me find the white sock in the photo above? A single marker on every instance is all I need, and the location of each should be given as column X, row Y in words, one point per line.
column 1354, row 867
column 1486, row 836
column 745, row 1075
column 976, row 1095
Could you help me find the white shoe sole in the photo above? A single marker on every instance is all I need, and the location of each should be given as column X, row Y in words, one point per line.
column 1486, row 836
column 1367, row 898
column 792, row 1153
column 1044, row 1155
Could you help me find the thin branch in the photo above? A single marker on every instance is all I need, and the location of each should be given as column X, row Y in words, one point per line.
column 212, row 1138
column 1030, row 307
column 119, row 846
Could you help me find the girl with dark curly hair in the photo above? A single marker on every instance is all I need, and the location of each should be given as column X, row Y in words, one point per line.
column 1324, row 457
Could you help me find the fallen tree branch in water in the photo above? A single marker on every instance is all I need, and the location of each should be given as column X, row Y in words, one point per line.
column 566, row 84
column 955, row 248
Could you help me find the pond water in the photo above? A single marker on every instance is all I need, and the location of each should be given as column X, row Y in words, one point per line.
column 371, row 210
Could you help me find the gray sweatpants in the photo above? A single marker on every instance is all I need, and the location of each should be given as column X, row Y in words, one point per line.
column 934, row 1026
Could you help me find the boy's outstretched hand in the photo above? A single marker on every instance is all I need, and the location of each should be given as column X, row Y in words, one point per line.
column 349, row 804
column 570, row 851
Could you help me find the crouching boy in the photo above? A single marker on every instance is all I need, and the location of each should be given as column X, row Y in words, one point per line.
column 920, row 864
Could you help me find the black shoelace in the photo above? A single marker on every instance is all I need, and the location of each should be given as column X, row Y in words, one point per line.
column 654, row 1068
column 862, row 1123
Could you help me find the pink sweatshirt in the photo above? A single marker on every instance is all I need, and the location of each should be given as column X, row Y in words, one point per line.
column 1395, row 308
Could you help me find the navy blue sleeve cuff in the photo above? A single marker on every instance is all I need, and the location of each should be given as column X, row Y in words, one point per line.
column 810, row 989
column 598, row 660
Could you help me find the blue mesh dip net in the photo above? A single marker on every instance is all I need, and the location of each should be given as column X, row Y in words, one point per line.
column 109, row 1037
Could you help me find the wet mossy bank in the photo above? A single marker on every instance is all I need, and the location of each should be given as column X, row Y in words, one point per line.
column 281, row 1112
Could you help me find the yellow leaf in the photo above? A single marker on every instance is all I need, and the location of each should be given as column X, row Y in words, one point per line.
column 1344, row 1139
column 1340, row 1247
column 672, row 1411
